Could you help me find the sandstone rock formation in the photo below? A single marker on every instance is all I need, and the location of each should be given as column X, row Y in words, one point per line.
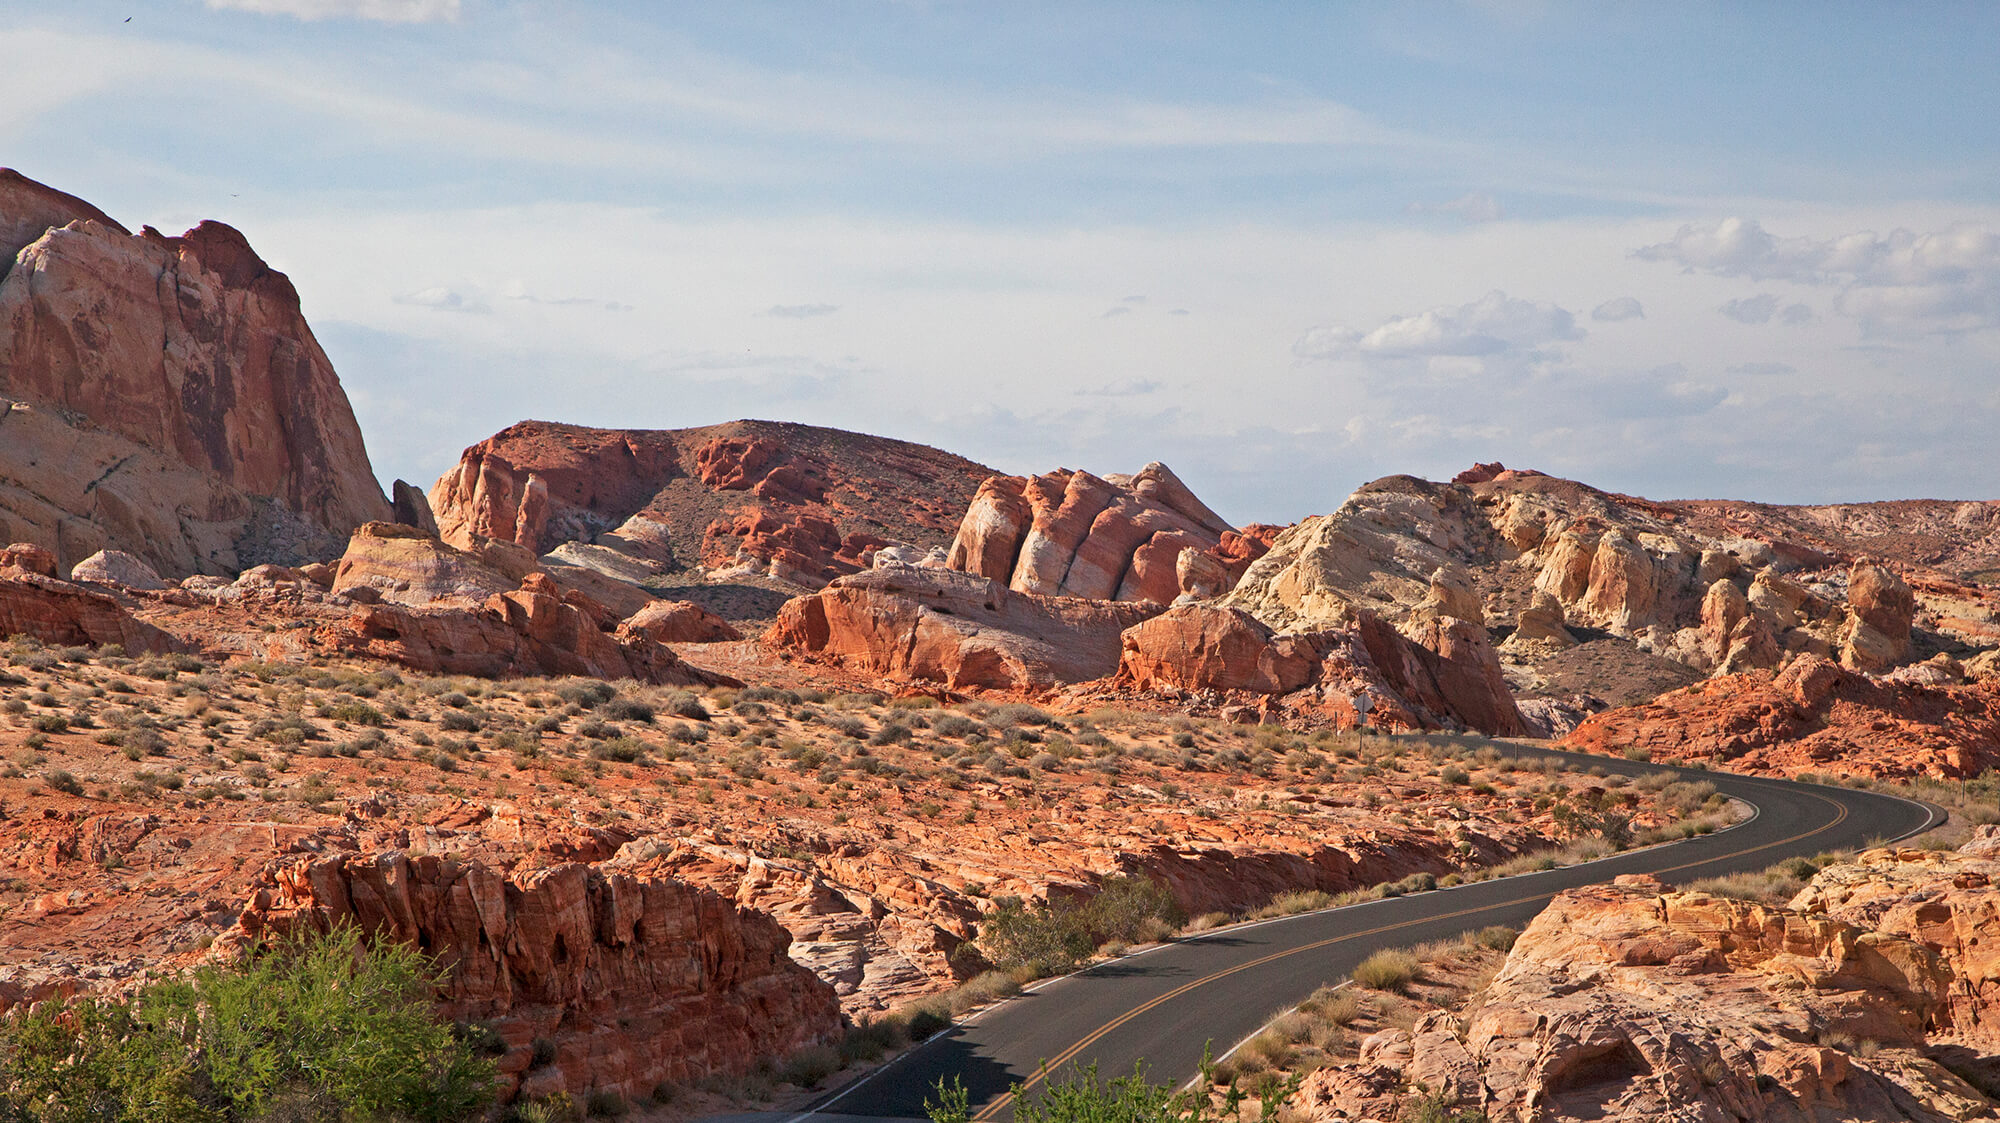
column 34, row 603
column 1070, row 533
column 1446, row 675
column 1814, row 716
column 956, row 628
column 677, row 621
column 1630, row 1003
column 794, row 502
column 178, row 386
column 633, row 978
column 401, row 564
column 1615, row 598
column 1880, row 610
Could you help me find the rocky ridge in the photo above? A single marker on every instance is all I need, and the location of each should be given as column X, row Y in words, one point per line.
column 791, row 503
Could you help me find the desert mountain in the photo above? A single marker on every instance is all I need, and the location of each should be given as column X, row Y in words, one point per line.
column 164, row 396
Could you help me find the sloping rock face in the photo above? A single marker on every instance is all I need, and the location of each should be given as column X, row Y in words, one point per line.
column 1814, row 716
column 634, row 978
column 1629, row 1003
column 160, row 353
column 955, row 628
column 33, row 603
column 679, row 621
column 1070, row 533
column 793, row 502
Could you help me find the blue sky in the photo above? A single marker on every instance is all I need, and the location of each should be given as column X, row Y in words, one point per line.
column 1678, row 250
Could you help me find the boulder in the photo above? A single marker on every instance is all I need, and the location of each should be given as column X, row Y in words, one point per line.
column 1880, row 610
column 116, row 567
column 411, row 507
column 1543, row 621
column 679, row 621
column 1196, row 647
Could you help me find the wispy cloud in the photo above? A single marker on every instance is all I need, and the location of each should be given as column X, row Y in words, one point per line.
column 1475, row 206
column 383, row 11
column 1125, row 388
column 1618, row 310
column 801, row 311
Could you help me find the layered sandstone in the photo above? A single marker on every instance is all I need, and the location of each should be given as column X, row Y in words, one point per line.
column 179, row 374
column 635, row 978
column 795, row 503
column 1070, row 533
column 33, row 603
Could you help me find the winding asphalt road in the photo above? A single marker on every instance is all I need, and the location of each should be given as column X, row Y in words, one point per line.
column 1163, row 1006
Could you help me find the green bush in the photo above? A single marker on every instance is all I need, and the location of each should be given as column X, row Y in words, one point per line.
column 1059, row 936
column 320, row 1028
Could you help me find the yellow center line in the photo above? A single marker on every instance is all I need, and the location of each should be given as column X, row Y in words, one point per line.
column 992, row 1111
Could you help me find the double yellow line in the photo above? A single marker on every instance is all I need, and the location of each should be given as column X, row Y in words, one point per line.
column 992, row 1110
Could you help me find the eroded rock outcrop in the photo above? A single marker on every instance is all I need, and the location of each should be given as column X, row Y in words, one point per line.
column 633, row 978
column 1630, row 1003
column 35, row 603
column 795, row 503
column 1444, row 675
column 1814, row 716
column 956, row 628
column 166, row 357
column 1070, row 533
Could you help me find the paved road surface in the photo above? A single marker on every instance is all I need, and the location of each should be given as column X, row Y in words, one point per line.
column 1166, row 1004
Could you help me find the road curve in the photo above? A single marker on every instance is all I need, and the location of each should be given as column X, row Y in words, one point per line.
column 1166, row 1004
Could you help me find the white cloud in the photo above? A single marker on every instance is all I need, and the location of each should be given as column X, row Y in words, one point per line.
column 1751, row 309
column 1904, row 282
column 1474, row 206
column 1495, row 324
column 383, row 11
column 1618, row 310
column 801, row 311
column 1794, row 315
column 1763, row 368
column 443, row 299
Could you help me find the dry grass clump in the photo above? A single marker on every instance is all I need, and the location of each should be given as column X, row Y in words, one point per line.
column 1387, row 969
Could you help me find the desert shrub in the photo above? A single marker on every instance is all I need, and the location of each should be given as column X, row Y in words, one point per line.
column 628, row 709
column 925, row 1023
column 357, row 712
column 624, row 750
column 808, row 1067
column 1387, row 969
column 587, row 692
column 682, row 703
column 1497, row 937
column 458, row 721
column 1059, row 936
column 955, row 726
column 321, row 1028
column 1018, row 713
column 62, row 781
